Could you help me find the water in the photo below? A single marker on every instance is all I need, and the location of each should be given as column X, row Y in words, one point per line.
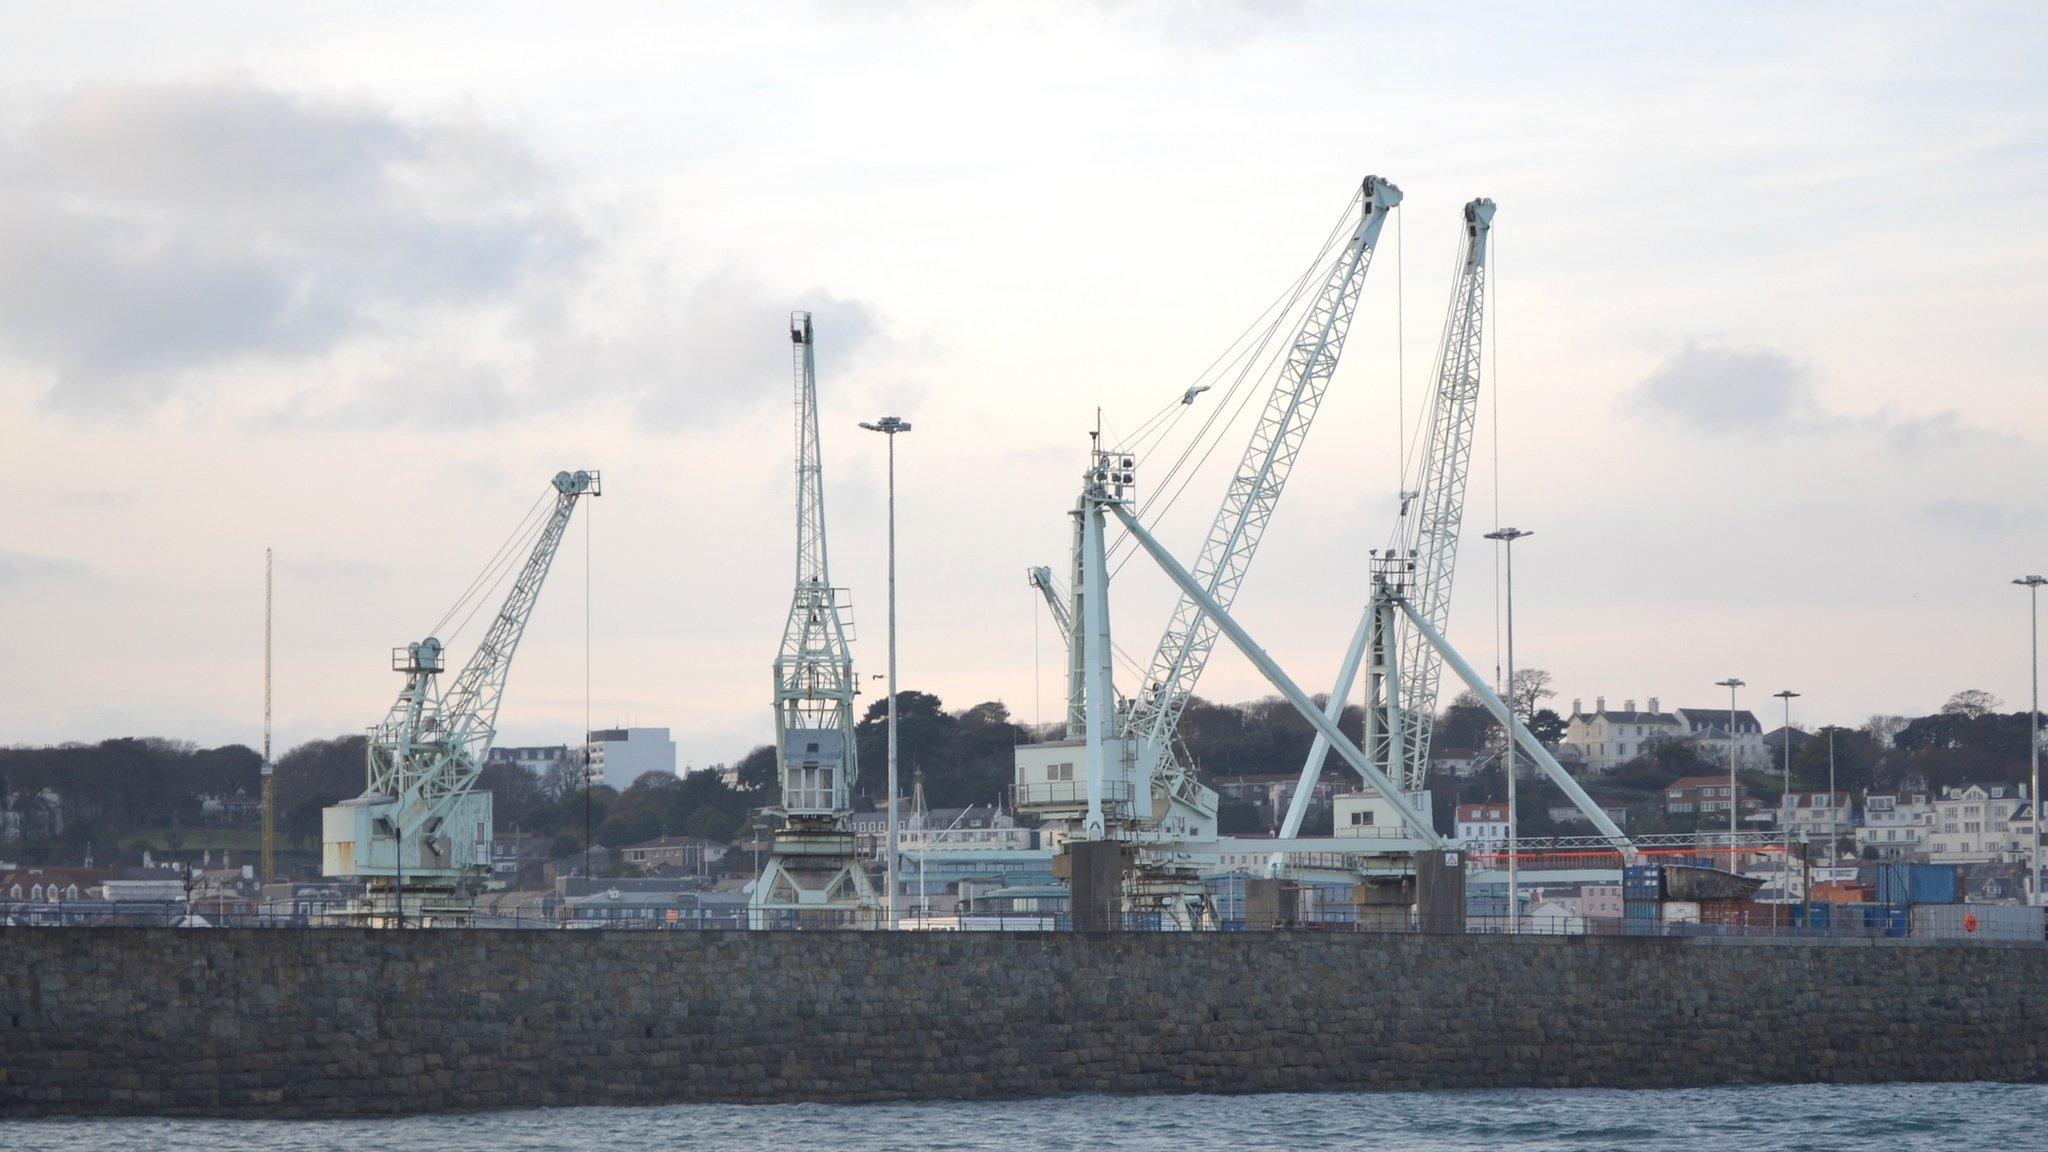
column 1817, row 1118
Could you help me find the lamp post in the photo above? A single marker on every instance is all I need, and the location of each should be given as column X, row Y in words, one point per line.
column 890, row 426
column 1507, row 537
column 1785, row 797
column 2033, row 586
column 1731, row 684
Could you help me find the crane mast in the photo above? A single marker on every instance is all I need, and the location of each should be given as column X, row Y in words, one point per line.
column 813, row 868
column 419, row 823
column 1432, row 516
column 1253, row 493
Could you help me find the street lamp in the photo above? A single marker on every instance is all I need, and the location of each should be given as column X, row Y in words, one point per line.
column 1785, row 797
column 890, row 426
column 2033, row 586
column 1507, row 537
column 1731, row 684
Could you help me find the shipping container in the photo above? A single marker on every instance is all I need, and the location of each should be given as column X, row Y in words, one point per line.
column 1639, row 909
column 1976, row 922
column 1919, row 884
column 1642, row 882
column 1680, row 912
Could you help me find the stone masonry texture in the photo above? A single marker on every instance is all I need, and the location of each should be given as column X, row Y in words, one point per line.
column 343, row 1022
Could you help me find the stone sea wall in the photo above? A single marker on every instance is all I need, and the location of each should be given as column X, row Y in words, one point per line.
column 338, row 1022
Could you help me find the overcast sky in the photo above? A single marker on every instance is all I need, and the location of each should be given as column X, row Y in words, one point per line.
column 353, row 281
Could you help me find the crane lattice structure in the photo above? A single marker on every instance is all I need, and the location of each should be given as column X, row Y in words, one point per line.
column 1430, row 534
column 420, row 832
column 1249, row 501
column 813, row 872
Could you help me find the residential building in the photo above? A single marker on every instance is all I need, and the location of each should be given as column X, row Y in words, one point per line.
column 536, row 759
column 1460, row 762
column 1606, row 737
column 1601, row 902
column 1570, row 814
column 239, row 808
column 1815, row 814
column 1697, row 795
column 1892, row 824
column 1968, row 825
column 619, row 756
column 1482, row 827
column 1707, row 728
column 682, row 854
column 1271, row 792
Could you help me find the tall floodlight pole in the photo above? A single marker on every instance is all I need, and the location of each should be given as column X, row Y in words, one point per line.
column 269, row 769
column 890, row 426
column 2033, row 586
column 1785, row 797
column 1731, row 684
column 1507, row 537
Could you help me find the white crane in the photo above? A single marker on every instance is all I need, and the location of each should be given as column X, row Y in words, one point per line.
column 813, row 869
column 1430, row 521
column 1426, row 533
column 1249, row 501
column 419, row 831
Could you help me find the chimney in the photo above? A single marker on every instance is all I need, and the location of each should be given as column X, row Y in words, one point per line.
column 1653, row 704
column 1631, row 705
column 1578, row 707
column 1599, row 703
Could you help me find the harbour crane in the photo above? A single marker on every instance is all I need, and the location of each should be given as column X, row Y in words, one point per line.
column 420, row 833
column 1431, row 511
column 813, row 874
column 1137, row 787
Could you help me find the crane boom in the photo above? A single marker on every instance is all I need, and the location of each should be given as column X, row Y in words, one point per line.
column 419, row 819
column 1254, row 491
column 1430, row 534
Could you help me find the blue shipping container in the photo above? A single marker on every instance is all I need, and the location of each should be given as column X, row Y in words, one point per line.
column 1639, row 909
column 1919, row 884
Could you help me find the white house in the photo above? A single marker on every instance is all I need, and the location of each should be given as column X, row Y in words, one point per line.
column 1815, row 814
column 1606, row 737
column 1482, row 827
column 1708, row 728
column 1968, row 825
column 1892, row 824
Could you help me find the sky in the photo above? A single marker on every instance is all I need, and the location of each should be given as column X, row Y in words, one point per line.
column 351, row 282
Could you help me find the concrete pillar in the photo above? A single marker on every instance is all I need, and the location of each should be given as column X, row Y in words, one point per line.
column 1440, row 892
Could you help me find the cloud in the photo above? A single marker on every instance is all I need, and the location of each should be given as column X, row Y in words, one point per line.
column 1981, row 517
column 18, row 568
column 1721, row 390
column 320, row 261
column 151, row 231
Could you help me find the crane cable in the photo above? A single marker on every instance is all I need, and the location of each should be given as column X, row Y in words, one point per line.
column 496, row 570
column 1155, row 507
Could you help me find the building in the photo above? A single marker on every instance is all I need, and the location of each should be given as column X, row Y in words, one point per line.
column 1459, row 762
column 1271, row 792
column 1362, row 812
column 1601, row 902
column 1698, row 796
column 1482, row 827
column 1969, row 825
column 536, row 759
column 683, row 854
column 1892, row 824
column 619, row 756
column 1570, row 814
column 1606, row 737
column 1815, row 815
column 1707, row 728
column 239, row 808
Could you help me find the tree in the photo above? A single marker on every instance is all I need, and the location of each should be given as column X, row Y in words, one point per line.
column 1465, row 724
column 1547, row 726
column 1971, row 703
column 1235, row 817
column 756, row 773
column 1531, row 688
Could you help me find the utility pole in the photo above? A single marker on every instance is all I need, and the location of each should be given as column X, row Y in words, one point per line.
column 890, row 426
column 2033, row 586
column 269, row 782
column 1508, row 536
column 1731, row 684
column 1785, row 797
